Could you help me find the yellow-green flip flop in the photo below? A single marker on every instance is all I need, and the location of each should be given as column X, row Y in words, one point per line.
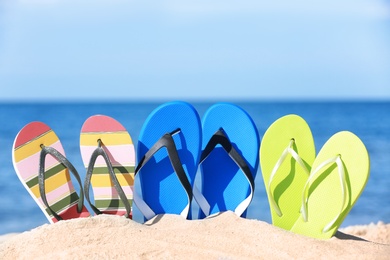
column 287, row 152
column 338, row 177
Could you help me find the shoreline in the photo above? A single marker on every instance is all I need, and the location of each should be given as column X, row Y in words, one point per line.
column 172, row 237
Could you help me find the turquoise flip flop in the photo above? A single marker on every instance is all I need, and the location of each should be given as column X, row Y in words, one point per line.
column 229, row 160
column 168, row 154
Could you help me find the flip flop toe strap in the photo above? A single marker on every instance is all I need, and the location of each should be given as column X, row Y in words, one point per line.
column 41, row 177
column 220, row 138
column 166, row 141
column 313, row 176
column 99, row 151
column 289, row 150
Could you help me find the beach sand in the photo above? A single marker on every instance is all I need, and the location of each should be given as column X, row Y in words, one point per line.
column 225, row 236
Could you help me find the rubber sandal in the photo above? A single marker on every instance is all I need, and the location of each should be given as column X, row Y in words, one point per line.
column 168, row 155
column 229, row 161
column 338, row 177
column 287, row 152
column 40, row 163
column 108, row 154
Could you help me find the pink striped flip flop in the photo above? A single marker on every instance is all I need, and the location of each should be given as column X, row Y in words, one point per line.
column 47, row 178
column 108, row 154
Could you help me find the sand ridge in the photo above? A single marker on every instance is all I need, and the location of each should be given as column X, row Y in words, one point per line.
column 225, row 236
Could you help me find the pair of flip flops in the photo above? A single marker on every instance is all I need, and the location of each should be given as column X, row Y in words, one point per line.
column 173, row 144
column 311, row 194
column 108, row 155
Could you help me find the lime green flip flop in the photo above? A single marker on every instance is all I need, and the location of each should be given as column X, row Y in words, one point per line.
column 287, row 152
column 338, row 177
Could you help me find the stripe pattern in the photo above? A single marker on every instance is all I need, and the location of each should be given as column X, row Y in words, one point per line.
column 119, row 147
column 59, row 189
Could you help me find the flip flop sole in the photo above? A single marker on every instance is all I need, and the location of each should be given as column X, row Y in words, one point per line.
column 60, row 192
column 290, row 178
column 159, row 185
column 223, row 184
column 119, row 146
column 325, row 199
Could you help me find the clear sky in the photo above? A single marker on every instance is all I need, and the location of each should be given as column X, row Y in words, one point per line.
column 178, row 49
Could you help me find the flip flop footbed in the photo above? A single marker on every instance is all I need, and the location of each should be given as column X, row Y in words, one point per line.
column 285, row 178
column 160, row 187
column 60, row 192
column 223, row 183
column 325, row 195
column 118, row 145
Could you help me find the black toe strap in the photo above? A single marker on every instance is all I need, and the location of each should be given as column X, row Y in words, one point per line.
column 99, row 151
column 167, row 141
column 220, row 137
column 41, row 177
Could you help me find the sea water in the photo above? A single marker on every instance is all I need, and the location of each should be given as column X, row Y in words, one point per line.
column 368, row 120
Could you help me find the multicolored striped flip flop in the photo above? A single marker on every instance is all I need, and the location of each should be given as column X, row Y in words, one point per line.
column 47, row 178
column 109, row 157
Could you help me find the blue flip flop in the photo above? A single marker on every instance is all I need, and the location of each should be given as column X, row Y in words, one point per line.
column 229, row 160
column 168, row 154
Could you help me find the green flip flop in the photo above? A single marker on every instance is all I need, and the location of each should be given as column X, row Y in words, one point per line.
column 338, row 177
column 287, row 152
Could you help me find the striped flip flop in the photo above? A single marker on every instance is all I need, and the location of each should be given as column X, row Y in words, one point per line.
column 108, row 154
column 40, row 163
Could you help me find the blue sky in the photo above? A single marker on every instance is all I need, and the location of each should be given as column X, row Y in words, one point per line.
column 140, row 50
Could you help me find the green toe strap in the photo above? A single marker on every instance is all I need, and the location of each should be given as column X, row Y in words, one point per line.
column 289, row 150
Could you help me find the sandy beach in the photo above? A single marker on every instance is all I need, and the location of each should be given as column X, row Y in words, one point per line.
column 225, row 236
